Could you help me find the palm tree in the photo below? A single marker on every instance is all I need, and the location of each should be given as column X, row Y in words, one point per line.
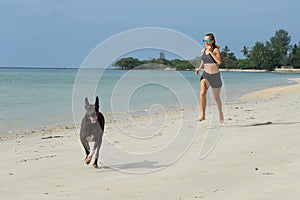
column 292, row 54
column 245, row 51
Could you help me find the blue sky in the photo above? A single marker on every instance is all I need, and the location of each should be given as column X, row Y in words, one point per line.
column 63, row 32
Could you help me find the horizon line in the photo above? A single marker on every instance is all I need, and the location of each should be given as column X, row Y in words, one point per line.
column 48, row 67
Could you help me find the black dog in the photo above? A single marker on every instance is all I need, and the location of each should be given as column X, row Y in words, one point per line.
column 91, row 132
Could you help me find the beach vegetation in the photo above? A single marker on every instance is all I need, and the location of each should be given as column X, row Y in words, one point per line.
column 127, row 63
column 294, row 56
column 274, row 53
column 156, row 63
column 280, row 45
column 229, row 61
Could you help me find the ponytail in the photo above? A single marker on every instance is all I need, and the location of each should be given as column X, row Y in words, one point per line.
column 212, row 37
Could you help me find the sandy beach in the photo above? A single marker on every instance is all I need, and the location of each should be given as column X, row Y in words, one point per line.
column 256, row 157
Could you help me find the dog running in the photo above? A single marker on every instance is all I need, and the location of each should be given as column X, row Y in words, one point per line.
column 91, row 131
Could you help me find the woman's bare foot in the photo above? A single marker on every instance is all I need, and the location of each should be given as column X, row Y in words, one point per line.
column 88, row 160
column 221, row 118
column 201, row 118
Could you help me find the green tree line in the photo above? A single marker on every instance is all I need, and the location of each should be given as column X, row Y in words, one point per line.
column 130, row 63
column 274, row 53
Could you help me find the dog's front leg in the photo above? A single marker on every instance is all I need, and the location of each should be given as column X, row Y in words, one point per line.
column 96, row 157
column 92, row 147
column 86, row 146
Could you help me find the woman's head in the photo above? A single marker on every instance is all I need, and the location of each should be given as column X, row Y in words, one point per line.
column 209, row 40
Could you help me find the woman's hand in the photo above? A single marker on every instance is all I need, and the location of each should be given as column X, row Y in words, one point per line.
column 209, row 49
column 197, row 71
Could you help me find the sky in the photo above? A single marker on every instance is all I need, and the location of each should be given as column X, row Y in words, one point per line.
column 62, row 32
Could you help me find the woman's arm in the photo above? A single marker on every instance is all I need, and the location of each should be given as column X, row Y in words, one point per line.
column 201, row 64
column 199, row 68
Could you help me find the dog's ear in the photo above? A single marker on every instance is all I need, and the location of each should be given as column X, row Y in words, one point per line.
column 86, row 102
column 97, row 102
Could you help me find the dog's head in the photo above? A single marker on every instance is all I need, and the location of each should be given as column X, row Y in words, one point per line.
column 92, row 110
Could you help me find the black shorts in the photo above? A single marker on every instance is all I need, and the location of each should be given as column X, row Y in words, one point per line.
column 213, row 79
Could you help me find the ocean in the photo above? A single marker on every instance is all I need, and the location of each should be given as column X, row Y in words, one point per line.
column 42, row 98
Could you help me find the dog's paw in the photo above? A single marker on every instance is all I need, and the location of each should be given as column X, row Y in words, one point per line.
column 88, row 160
column 95, row 165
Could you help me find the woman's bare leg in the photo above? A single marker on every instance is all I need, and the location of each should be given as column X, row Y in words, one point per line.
column 216, row 93
column 203, row 91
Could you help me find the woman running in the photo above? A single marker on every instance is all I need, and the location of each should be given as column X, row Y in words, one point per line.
column 211, row 59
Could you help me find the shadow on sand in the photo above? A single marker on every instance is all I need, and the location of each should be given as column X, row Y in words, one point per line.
column 264, row 124
column 134, row 167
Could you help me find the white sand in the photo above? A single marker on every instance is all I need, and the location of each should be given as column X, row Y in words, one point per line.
column 248, row 162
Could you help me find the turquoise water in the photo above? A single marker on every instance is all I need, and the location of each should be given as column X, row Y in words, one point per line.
column 32, row 98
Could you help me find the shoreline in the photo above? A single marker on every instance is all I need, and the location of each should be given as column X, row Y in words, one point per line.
column 272, row 92
column 259, row 70
column 277, row 70
column 48, row 129
column 242, row 70
column 52, row 129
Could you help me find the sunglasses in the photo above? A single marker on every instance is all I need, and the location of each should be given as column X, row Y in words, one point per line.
column 207, row 40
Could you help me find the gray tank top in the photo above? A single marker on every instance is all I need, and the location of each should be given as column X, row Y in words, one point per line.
column 207, row 58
